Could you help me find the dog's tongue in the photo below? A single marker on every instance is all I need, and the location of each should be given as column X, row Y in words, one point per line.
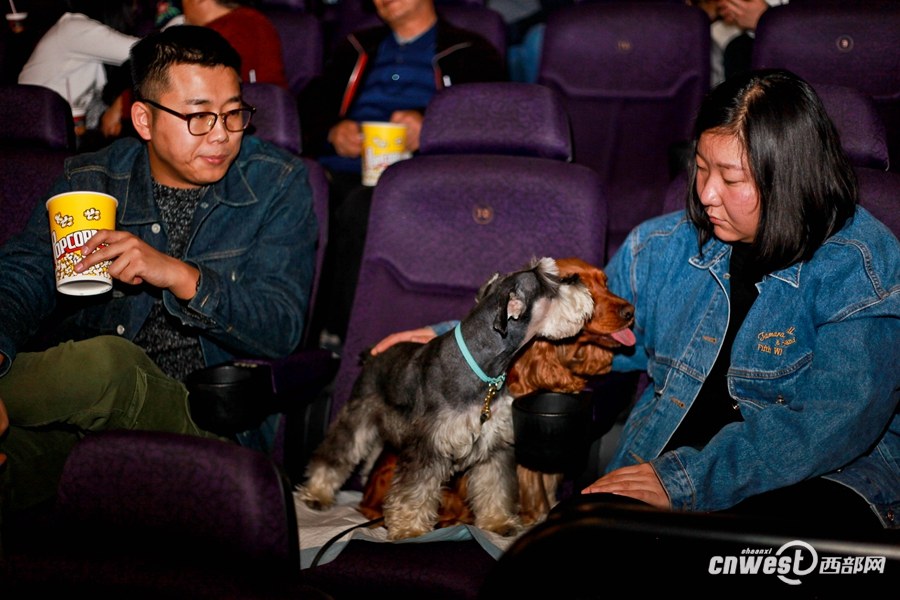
column 624, row 337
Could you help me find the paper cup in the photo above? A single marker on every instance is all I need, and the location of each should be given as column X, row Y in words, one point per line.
column 16, row 21
column 78, row 120
column 383, row 145
column 74, row 218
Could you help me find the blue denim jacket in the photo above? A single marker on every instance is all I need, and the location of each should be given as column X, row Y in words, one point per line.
column 814, row 367
column 253, row 240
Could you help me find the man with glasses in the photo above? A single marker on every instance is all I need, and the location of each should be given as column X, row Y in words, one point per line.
column 212, row 258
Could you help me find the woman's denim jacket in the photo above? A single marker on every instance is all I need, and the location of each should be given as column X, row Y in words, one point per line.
column 814, row 367
column 253, row 239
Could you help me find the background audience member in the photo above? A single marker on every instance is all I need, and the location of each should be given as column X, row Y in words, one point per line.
column 385, row 73
column 525, row 23
column 212, row 258
column 732, row 29
column 247, row 29
column 71, row 59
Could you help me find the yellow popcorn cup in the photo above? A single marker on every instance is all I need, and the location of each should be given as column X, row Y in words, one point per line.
column 383, row 145
column 74, row 218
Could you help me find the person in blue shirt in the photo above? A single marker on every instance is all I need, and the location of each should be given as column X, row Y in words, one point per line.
column 767, row 318
column 212, row 258
column 388, row 72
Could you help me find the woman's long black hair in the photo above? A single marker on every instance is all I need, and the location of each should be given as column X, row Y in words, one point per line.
column 807, row 187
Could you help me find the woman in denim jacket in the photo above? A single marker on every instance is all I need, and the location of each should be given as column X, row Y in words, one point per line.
column 773, row 347
column 768, row 320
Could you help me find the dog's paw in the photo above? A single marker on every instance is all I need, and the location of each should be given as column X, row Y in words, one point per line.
column 532, row 517
column 505, row 527
column 403, row 533
column 316, row 501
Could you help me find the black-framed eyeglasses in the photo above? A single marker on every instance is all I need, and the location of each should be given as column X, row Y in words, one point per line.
column 201, row 123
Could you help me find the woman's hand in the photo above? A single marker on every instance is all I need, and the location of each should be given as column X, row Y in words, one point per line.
column 420, row 336
column 638, row 481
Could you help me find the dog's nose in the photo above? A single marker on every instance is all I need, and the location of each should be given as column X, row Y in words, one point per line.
column 626, row 312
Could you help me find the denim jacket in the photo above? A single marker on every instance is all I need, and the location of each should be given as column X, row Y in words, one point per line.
column 253, row 239
column 814, row 367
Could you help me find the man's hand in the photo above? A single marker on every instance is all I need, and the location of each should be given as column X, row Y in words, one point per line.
column 742, row 13
column 413, row 121
column 134, row 262
column 638, row 481
column 346, row 137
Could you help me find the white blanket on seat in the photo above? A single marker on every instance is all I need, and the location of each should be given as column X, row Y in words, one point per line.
column 318, row 527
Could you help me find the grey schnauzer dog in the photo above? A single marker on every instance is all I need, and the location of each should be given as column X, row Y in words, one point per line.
column 433, row 404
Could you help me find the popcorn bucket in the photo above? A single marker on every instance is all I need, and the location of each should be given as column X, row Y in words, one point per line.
column 74, row 218
column 383, row 145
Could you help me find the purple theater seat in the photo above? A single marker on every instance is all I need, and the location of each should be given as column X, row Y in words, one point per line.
column 863, row 134
column 854, row 44
column 481, row 19
column 632, row 75
column 35, row 116
column 36, row 136
column 156, row 515
column 276, row 118
column 216, row 492
column 302, row 44
column 676, row 194
column 879, row 193
column 26, row 176
column 441, row 225
column 516, row 119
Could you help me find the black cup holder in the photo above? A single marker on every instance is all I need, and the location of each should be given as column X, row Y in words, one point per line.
column 553, row 431
column 230, row 398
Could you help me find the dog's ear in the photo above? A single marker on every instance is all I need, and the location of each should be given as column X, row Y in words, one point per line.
column 501, row 318
column 539, row 368
column 515, row 307
column 483, row 290
column 585, row 359
column 512, row 309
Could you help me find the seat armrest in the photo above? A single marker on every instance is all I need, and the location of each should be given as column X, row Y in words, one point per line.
column 304, row 372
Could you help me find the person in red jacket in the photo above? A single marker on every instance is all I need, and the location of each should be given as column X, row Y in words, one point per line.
column 250, row 32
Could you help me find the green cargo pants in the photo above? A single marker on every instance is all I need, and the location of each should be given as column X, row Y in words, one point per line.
column 56, row 397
